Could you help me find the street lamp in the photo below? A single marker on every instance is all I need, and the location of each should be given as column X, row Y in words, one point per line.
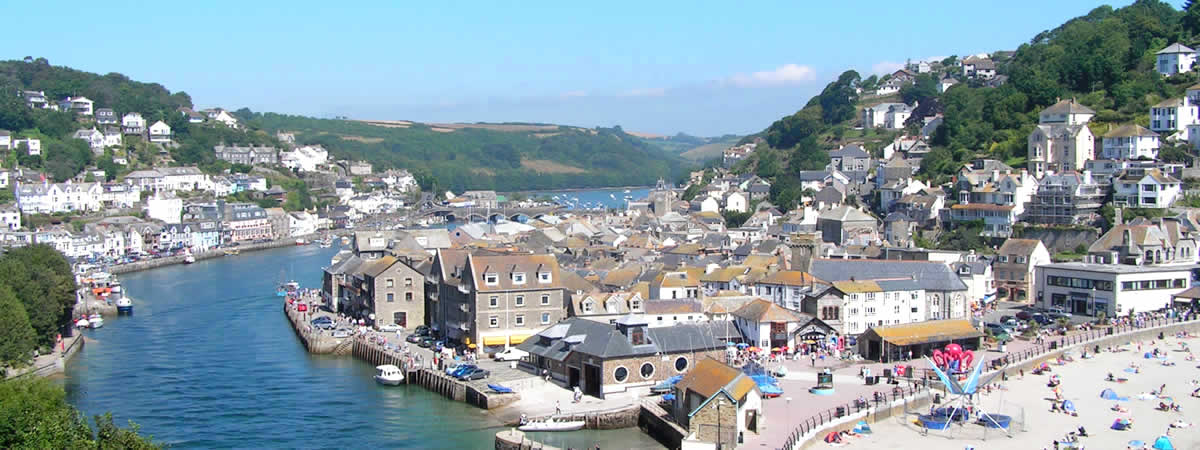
column 720, row 403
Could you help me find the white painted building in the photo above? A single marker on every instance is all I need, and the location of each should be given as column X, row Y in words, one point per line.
column 305, row 159
column 160, row 132
column 166, row 209
column 133, row 123
column 46, row 198
column 10, row 217
column 871, row 303
column 876, row 116
column 1115, row 289
column 768, row 325
column 1175, row 59
column 1152, row 189
column 1130, row 141
column 736, row 202
column 1171, row 118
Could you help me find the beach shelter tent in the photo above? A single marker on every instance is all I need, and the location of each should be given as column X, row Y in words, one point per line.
column 1068, row 406
column 862, row 428
column 1109, row 394
column 1163, row 443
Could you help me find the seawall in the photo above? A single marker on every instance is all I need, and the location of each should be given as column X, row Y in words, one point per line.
column 47, row 366
column 516, row 440
column 313, row 339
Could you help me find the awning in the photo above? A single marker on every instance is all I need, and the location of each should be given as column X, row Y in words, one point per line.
column 517, row 338
column 494, row 340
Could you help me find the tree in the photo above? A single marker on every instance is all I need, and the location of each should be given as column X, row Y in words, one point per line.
column 924, row 87
column 838, row 99
column 34, row 413
column 17, row 337
column 1191, row 18
column 734, row 219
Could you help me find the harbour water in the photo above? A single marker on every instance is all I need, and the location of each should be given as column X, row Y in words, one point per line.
column 602, row 198
column 209, row 361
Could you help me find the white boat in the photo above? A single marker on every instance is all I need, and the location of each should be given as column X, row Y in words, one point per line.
column 389, row 375
column 301, row 242
column 189, row 259
column 552, row 425
column 83, row 323
column 627, row 191
column 95, row 320
column 124, row 305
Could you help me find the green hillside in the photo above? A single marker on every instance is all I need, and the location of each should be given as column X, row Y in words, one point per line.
column 505, row 157
column 1104, row 60
column 694, row 148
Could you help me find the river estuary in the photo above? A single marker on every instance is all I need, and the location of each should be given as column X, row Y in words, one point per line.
column 209, row 361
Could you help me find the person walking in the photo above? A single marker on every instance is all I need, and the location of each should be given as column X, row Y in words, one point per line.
column 813, row 357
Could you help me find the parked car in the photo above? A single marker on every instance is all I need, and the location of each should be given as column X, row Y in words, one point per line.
column 474, row 374
column 343, row 333
column 1042, row 319
column 1005, row 319
column 1024, row 315
column 322, row 319
column 438, row 345
column 422, row 330
column 425, row 342
column 512, row 354
column 390, row 328
column 461, row 369
column 1012, row 324
column 413, row 339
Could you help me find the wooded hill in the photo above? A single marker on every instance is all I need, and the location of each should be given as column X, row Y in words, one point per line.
column 504, row 157
column 1105, row 60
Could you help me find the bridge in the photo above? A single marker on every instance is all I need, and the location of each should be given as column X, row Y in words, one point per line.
column 473, row 214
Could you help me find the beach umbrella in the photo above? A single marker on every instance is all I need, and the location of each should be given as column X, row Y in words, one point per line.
column 775, row 349
column 743, row 345
column 1163, row 443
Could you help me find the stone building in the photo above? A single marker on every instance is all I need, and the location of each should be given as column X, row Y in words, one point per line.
column 714, row 400
column 603, row 358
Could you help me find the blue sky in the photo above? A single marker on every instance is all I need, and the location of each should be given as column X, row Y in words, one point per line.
column 700, row 67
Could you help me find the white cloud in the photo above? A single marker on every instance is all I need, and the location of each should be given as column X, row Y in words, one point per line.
column 644, row 92
column 883, row 67
column 785, row 74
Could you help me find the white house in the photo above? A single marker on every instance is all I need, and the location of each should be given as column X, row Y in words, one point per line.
column 1062, row 140
column 133, row 123
column 1152, row 189
column 93, row 137
column 305, row 159
column 6, row 140
column 1114, row 289
column 768, row 325
column 77, row 105
column 710, row 204
column 736, row 202
column 400, row 180
column 46, row 198
column 188, row 178
column 302, row 223
column 870, row 303
column 788, row 288
column 223, row 116
column 10, row 218
column 1175, row 59
column 946, row 83
column 32, row 145
column 896, row 115
column 1130, row 141
column 876, row 116
column 1173, row 115
column 166, row 209
column 997, row 196
column 160, row 132
column 116, row 195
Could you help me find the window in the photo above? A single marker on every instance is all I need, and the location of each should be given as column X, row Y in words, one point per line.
column 588, row 305
column 491, row 279
column 681, row 364
column 870, row 310
column 390, row 282
column 543, row 277
column 493, row 321
column 408, row 282
column 493, row 301
column 621, row 374
column 1020, row 260
column 520, row 300
column 391, row 297
column 635, row 305
column 647, row 370
column 853, row 311
column 518, row 277
column 545, row 318
column 545, row 299
column 1002, row 258
column 870, row 296
column 914, row 309
column 408, row 296
column 897, row 309
column 519, row 320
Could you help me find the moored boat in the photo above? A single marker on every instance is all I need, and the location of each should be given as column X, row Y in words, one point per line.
column 389, row 375
column 301, row 241
column 95, row 320
column 231, row 252
column 552, row 425
column 124, row 306
column 189, row 259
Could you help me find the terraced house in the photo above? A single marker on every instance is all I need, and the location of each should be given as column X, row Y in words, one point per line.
column 495, row 301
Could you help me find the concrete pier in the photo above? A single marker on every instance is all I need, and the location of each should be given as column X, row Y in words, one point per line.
column 313, row 339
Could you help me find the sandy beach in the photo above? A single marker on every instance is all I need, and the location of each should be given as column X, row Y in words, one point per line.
column 1082, row 382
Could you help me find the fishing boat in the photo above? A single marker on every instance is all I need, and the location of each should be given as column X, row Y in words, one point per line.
column 301, row 241
column 95, row 321
column 124, row 306
column 627, row 191
column 389, row 375
column 82, row 323
column 552, row 425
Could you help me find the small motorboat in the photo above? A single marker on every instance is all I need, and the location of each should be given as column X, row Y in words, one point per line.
column 389, row 375
column 499, row 389
column 301, row 242
column 82, row 323
column 552, row 425
column 667, row 385
column 287, row 288
column 124, row 305
column 232, row 252
column 95, row 321
column 189, row 259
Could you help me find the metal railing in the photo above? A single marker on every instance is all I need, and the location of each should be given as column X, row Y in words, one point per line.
column 801, row 433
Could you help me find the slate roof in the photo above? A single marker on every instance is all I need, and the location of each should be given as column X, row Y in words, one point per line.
column 1023, row 247
column 849, row 151
column 604, row 341
column 1068, row 106
column 791, row 278
column 930, row 275
column 1175, row 48
column 675, row 306
column 1130, row 130
column 710, row 377
column 505, row 265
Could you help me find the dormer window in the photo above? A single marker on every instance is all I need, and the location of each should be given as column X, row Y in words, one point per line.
column 543, row 277
column 635, row 305
column 518, row 277
column 491, row 279
column 588, row 306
